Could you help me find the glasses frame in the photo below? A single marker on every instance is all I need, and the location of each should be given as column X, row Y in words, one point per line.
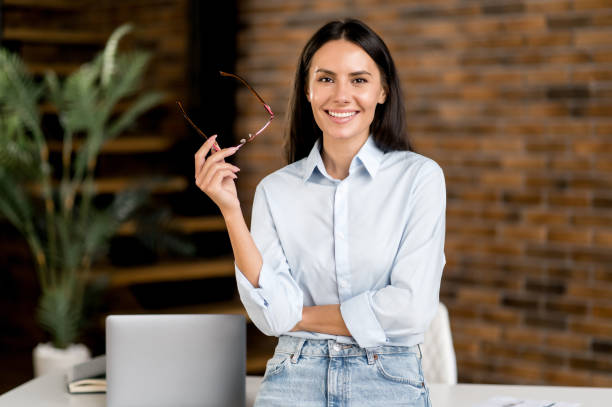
column 251, row 136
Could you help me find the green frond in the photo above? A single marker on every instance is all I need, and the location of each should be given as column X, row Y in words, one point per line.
column 142, row 104
column 126, row 80
column 110, row 51
column 19, row 93
column 18, row 152
column 58, row 315
column 14, row 203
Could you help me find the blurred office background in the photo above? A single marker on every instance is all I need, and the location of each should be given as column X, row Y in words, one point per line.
column 513, row 98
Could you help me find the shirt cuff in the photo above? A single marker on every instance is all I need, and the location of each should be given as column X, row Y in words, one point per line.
column 361, row 321
column 256, row 295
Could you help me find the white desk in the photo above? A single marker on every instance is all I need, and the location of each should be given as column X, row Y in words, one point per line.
column 50, row 391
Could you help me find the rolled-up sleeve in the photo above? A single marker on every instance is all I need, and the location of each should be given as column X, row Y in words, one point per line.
column 275, row 307
column 408, row 304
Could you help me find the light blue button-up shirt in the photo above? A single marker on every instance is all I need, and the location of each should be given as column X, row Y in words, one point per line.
column 372, row 242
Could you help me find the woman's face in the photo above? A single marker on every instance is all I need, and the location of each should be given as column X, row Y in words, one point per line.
column 344, row 86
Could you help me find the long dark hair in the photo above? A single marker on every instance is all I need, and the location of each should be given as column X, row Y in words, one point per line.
column 389, row 125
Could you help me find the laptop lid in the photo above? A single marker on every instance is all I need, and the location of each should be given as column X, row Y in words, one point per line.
column 175, row 360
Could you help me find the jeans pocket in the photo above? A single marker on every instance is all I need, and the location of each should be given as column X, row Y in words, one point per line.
column 401, row 368
column 276, row 364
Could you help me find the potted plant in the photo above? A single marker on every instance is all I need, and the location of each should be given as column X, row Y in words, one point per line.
column 56, row 214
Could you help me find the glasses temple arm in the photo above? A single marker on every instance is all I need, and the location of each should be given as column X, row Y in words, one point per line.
column 266, row 106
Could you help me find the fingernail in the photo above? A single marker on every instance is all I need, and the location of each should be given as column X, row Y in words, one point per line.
column 214, row 136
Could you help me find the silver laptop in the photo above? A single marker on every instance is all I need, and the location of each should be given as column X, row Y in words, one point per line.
column 175, row 360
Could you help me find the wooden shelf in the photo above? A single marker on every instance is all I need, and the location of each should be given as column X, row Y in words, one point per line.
column 109, row 185
column 47, row 36
column 168, row 272
column 167, row 102
column 46, row 4
column 186, row 224
column 125, row 145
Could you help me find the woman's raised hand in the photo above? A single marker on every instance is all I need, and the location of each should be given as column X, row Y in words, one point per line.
column 215, row 177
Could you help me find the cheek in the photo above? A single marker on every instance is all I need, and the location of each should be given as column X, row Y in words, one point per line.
column 316, row 95
column 369, row 100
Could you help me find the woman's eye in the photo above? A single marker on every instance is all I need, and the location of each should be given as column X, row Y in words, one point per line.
column 360, row 80
column 325, row 79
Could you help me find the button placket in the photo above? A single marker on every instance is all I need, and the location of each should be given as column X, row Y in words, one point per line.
column 340, row 240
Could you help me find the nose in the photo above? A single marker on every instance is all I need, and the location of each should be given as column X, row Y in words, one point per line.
column 342, row 93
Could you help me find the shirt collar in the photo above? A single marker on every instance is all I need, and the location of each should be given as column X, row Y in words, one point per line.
column 369, row 155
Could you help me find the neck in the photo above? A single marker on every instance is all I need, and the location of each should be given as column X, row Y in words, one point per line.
column 337, row 155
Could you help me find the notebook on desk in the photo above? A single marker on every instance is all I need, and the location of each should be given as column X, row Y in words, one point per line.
column 175, row 360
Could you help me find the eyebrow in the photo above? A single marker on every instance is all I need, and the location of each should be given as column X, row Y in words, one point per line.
column 357, row 73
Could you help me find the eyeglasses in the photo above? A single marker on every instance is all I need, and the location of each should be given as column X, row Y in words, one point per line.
column 251, row 135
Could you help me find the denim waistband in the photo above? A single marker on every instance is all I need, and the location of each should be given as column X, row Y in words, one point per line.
column 330, row 348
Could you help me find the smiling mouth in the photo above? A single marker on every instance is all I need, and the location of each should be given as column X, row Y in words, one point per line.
column 341, row 115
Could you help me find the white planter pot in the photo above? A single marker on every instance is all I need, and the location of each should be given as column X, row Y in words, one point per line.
column 48, row 358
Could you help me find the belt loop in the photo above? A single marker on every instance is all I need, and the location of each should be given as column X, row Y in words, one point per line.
column 298, row 351
column 370, row 354
column 420, row 351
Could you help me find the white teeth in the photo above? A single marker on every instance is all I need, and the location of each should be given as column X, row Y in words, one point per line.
column 347, row 114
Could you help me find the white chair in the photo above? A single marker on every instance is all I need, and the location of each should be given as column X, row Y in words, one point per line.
column 439, row 362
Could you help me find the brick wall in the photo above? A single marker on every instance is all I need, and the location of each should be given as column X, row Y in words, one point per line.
column 514, row 100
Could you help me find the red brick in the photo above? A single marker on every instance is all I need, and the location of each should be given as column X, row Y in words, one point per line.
column 549, row 6
column 587, row 291
column 501, row 179
column 602, row 311
column 588, row 219
column 501, row 316
column 480, row 331
column 478, row 296
column 546, row 75
column 545, row 217
column 524, row 162
column 570, row 235
column 522, row 232
column 570, row 377
column 574, row 163
column 523, row 335
column 591, row 74
column 603, row 238
column 501, row 145
column 591, row 4
column 601, row 380
column 603, row 129
column 574, row 199
column 567, row 341
column 593, row 37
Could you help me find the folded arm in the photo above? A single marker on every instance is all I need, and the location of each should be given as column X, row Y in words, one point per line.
column 267, row 289
column 407, row 305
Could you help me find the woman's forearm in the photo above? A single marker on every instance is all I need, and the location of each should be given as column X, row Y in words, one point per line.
column 326, row 319
column 247, row 256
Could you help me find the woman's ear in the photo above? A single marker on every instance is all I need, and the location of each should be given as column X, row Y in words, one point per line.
column 382, row 97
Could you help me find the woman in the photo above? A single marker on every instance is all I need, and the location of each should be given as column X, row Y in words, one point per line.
column 346, row 249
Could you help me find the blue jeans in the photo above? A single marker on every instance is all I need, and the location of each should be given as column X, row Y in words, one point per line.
column 307, row 372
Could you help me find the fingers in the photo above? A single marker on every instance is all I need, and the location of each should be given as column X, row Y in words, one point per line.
column 200, row 155
column 220, row 175
column 219, row 156
column 213, row 187
column 209, row 177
